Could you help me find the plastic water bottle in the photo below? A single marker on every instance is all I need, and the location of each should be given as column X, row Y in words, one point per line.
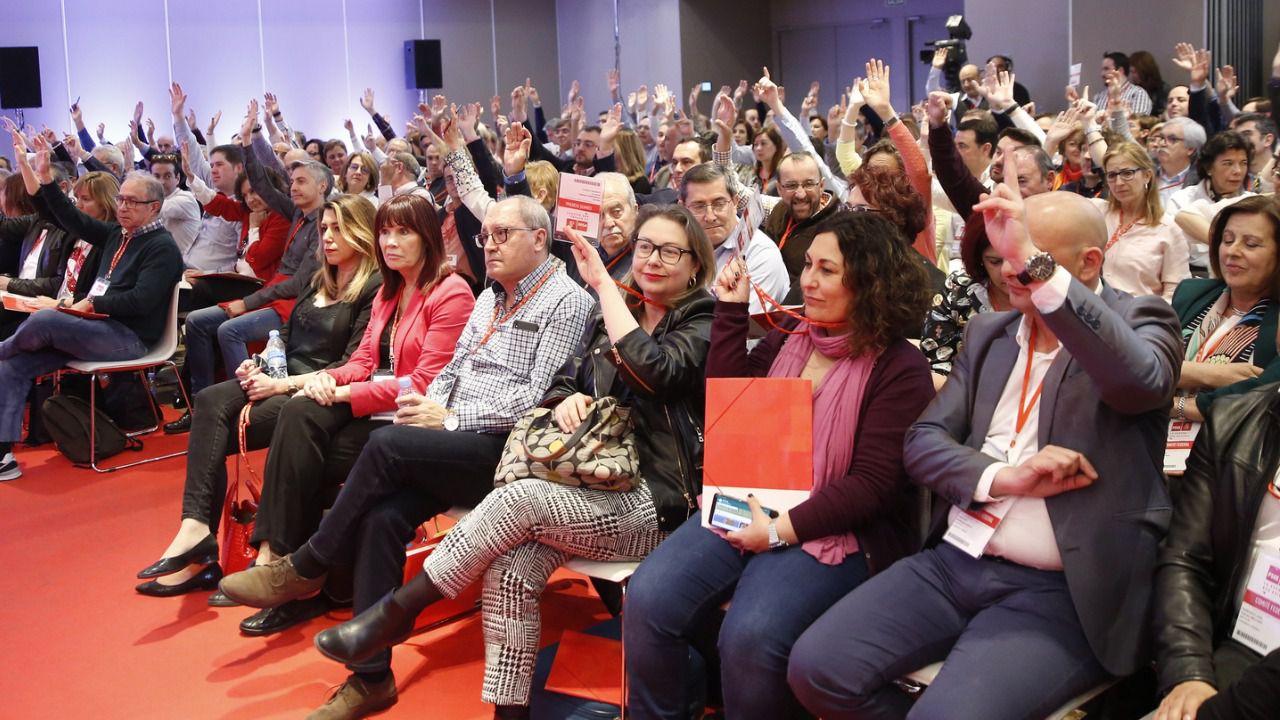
column 406, row 386
column 277, row 365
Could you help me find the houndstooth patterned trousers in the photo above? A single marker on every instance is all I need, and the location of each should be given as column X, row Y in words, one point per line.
column 517, row 537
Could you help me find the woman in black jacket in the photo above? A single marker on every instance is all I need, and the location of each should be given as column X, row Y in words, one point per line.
column 1225, row 521
column 326, row 325
column 647, row 349
column 32, row 249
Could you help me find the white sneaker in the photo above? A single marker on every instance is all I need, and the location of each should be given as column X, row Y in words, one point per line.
column 9, row 469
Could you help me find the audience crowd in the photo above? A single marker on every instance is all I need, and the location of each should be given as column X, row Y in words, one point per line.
column 1010, row 319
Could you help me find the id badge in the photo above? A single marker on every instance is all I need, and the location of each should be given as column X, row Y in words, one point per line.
column 1258, row 622
column 99, row 287
column 971, row 530
column 383, row 376
column 1181, row 437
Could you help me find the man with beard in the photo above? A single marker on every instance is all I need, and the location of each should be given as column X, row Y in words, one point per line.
column 793, row 221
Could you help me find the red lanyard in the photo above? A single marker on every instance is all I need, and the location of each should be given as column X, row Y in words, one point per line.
column 791, row 225
column 1121, row 229
column 767, row 300
column 496, row 321
column 1025, row 408
column 621, row 254
column 119, row 253
column 639, row 296
column 292, row 233
column 35, row 249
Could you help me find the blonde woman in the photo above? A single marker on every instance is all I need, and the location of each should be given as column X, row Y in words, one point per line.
column 629, row 154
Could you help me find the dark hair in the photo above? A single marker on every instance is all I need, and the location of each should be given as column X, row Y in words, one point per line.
column 890, row 288
column 1263, row 205
column 1218, row 144
column 1148, row 68
column 16, row 197
column 1008, row 61
column 704, row 150
column 984, row 128
column 705, row 173
column 884, row 146
column 1266, row 126
column 703, row 254
column 590, row 128
column 780, row 148
column 417, row 214
column 893, row 197
column 821, row 121
column 333, row 144
column 1024, row 137
column 972, row 245
column 273, row 177
column 315, row 141
column 231, row 153
column 751, row 132
column 1119, row 59
column 166, row 159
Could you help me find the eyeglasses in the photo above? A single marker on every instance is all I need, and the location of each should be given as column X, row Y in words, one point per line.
column 792, row 185
column 717, row 206
column 669, row 254
column 124, row 202
column 500, row 235
column 1125, row 174
column 861, row 208
column 1167, row 139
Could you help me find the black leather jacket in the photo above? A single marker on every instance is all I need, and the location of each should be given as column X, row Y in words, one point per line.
column 1204, row 557
column 662, row 378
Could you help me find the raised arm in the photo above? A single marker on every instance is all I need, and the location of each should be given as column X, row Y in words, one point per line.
column 185, row 138
column 796, row 136
column 276, row 200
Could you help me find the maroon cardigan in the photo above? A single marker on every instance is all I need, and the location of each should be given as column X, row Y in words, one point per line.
column 874, row 499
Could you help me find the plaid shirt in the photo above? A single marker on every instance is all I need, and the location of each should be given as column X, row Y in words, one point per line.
column 492, row 386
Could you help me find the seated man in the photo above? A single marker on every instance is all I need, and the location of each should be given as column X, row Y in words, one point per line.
column 444, row 447
column 1047, row 442
column 793, row 222
column 180, row 213
column 686, row 154
column 705, row 192
column 137, row 268
column 1225, row 523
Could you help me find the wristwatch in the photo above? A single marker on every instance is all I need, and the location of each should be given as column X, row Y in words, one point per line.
column 451, row 422
column 775, row 542
column 1038, row 268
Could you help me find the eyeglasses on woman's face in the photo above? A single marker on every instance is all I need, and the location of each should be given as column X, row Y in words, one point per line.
column 669, row 254
column 1123, row 174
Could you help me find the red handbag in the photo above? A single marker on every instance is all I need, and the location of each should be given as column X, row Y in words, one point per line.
column 239, row 513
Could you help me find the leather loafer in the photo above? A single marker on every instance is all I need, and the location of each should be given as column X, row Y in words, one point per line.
column 206, row 579
column 220, row 599
column 381, row 626
column 270, row 585
column 179, row 426
column 276, row 619
column 205, row 551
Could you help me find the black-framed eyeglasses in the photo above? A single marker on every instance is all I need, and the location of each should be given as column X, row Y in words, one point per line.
column 669, row 254
column 500, row 235
column 792, row 185
column 1125, row 174
column 122, row 201
column 1167, row 139
column 717, row 206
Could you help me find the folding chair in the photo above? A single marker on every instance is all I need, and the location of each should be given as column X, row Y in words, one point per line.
column 917, row 681
column 160, row 355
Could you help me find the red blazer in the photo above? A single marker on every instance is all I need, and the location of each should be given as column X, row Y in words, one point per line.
column 425, row 340
column 264, row 255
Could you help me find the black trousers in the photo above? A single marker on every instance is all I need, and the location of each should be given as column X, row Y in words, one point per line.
column 312, row 450
column 405, row 476
column 214, row 437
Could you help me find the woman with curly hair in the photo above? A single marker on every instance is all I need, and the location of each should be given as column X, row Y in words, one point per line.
column 882, row 187
column 863, row 291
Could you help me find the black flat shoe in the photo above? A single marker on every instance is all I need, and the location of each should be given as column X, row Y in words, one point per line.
column 206, row 579
column 381, row 626
column 205, row 551
column 277, row 619
column 179, row 426
column 219, row 599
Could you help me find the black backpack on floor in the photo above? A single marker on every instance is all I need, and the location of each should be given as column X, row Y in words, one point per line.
column 66, row 418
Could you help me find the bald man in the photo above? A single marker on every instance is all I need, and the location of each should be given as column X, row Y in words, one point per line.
column 1045, row 444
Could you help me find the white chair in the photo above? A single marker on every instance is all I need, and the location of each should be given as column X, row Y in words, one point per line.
column 617, row 572
column 917, row 681
column 160, row 355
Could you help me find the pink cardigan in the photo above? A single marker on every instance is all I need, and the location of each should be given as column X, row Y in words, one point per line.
column 425, row 340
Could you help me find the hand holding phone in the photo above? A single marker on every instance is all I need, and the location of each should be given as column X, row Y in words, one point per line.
column 730, row 513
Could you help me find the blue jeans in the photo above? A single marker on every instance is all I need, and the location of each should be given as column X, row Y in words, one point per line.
column 46, row 342
column 775, row 597
column 232, row 334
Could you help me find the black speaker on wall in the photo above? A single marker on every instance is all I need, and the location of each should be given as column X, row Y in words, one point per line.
column 19, row 77
column 422, row 65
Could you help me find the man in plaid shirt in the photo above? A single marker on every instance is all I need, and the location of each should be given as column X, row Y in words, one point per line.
column 444, row 447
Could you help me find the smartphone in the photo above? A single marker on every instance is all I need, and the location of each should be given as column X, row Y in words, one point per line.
column 706, row 87
column 730, row 513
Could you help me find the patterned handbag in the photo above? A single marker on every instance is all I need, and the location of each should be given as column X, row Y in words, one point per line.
column 238, row 514
column 600, row 455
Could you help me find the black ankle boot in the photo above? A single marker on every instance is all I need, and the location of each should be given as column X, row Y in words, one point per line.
column 381, row 626
column 511, row 712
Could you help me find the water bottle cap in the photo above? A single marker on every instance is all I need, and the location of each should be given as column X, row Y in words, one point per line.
column 405, row 382
column 274, row 333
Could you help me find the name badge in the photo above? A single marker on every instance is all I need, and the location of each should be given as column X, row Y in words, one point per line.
column 1258, row 623
column 383, row 376
column 972, row 530
column 99, row 288
column 1181, row 437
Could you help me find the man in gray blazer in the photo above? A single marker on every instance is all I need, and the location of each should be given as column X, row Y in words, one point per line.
column 1047, row 443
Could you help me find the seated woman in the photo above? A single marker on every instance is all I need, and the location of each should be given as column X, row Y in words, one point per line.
column 33, row 250
column 1143, row 255
column 95, row 195
column 1222, row 165
column 649, row 354
column 325, row 327
column 867, row 287
column 1229, row 325
column 360, row 177
column 1226, row 520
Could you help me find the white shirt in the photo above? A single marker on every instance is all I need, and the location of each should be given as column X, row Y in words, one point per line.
column 31, row 264
column 180, row 215
column 1196, row 198
column 764, row 264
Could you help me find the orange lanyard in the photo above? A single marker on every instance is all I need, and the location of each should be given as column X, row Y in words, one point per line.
column 617, row 258
column 791, row 225
column 496, row 321
column 1121, row 229
column 115, row 260
column 1024, row 407
column 639, row 296
column 767, row 300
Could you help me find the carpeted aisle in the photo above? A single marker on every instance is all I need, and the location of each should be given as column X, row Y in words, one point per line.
column 78, row 642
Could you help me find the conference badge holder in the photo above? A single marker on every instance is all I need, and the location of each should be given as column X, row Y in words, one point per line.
column 1258, row 623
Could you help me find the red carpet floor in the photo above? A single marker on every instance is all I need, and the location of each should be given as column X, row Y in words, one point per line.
column 78, row 642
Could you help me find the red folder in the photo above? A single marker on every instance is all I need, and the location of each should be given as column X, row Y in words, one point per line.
column 759, row 433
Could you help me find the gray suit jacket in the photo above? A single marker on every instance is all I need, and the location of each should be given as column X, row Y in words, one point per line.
column 1106, row 396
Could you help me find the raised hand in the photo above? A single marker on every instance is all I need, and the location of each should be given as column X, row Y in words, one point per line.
column 76, row 116
column 515, row 149
column 836, row 113
column 733, row 282
column 808, row 105
column 936, row 108
column 1184, row 55
column 177, row 100
column 723, row 114
column 192, row 122
column 72, row 144
column 877, row 89
column 495, row 105
column 151, row 130
column 439, row 106
column 518, row 110
column 740, row 92
column 102, row 132
column 467, row 121
column 694, row 93
column 186, row 158
column 531, row 92
column 1063, row 125
column 610, row 127
column 590, row 267
column 366, row 102
column 660, row 95
column 213, row 122
column 1005, row 215
column 767, row 90
column 574, row 88
column 940, row 57
column 1072, row 94
column 1200, row 68
column 350, row 127
column 1001, row 95
column 612, row 79
column 1227, row 84
column 631, row 103
column 367, row 139
column 642, row 98
column 250, row 119
column 137, row 112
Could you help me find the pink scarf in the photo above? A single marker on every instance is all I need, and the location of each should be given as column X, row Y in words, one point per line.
column 837, row 402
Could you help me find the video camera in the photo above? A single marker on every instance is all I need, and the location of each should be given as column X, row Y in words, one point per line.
column 958, row 32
